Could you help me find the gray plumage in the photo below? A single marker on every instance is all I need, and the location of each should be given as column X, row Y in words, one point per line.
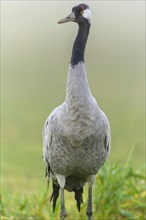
column 76, row 135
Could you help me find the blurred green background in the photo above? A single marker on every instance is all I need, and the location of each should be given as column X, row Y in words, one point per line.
column 35, row 54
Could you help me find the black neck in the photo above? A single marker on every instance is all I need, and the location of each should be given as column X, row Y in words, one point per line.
column 80, row 43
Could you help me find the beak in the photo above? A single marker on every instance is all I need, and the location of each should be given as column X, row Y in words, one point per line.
column 68, row 18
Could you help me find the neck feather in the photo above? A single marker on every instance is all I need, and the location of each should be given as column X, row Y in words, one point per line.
column 80, row 44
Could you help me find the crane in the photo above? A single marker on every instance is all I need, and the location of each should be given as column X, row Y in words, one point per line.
column 76, row 135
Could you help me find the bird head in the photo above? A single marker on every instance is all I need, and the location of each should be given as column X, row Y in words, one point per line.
column 80, row 14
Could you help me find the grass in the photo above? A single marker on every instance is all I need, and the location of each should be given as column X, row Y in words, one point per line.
column 119, row 193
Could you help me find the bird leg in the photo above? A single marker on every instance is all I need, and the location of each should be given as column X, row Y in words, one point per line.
column 61, row 182
column 89, row 211
column 62, row 211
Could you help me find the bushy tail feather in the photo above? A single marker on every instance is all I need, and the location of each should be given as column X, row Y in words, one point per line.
column 79, row 197
column 54, row 195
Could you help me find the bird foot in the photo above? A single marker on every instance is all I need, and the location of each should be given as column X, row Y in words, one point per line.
column 63, row 214
column 89, row 213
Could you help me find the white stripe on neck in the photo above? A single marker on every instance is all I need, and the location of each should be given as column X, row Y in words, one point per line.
column 88, row 15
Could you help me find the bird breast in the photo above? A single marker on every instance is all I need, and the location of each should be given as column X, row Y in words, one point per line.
column 79, row 120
